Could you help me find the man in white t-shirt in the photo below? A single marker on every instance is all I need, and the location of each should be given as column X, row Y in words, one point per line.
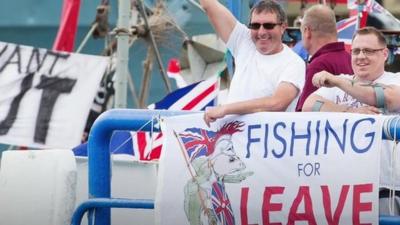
column 268, row 74
column 370, row 90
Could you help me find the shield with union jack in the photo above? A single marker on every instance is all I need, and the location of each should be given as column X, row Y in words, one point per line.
column 221, row 204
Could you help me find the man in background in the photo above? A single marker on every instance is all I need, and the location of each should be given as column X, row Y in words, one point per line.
column 319, row 36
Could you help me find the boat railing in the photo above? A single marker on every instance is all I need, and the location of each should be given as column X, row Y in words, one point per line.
column 99, row 204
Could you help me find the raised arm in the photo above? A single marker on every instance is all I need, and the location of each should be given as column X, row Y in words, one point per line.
column 220, row 17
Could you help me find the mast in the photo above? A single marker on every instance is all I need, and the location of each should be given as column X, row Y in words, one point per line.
column 121, row 73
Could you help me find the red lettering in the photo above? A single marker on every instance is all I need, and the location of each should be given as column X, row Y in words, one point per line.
column 359, row 206
column 268, row 207
column 326, row 200
column 243, row 206
column 308, row 215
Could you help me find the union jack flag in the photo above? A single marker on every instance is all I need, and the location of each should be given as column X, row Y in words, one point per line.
column 146, row 146
column 198, row 142
column 353, row 5
column 195, row 97
column 346, row 29
column 221, row 204
column 369, row 6
column 374, row 7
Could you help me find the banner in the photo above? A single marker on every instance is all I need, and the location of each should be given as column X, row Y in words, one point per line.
column 270, row 168
column 46, row 95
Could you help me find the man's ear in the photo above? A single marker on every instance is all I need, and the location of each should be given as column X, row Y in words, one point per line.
column 283, row 27
column 386, row 53
column 307, row 33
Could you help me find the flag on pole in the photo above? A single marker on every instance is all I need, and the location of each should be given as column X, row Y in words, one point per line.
column 65, row 39
column 174, row 72
column 346, row 29
column 146, row 146
column 353, row 5
column 195, row 97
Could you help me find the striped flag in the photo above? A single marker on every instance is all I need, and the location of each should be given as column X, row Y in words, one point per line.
column 353, row 5
column 65, row 39
column 195, row 97
column 145, row 146
column 346, row 29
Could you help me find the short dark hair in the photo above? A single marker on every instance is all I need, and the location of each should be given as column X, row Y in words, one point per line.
column 269, row 6
column 371, row 30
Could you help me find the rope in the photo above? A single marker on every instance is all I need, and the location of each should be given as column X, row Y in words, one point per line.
column 392, row 191
column 131, row 137
column 154, row 118
column 85, row 40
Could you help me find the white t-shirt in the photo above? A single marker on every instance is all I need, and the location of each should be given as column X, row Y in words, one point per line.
column 258, row 75
column 338, row 96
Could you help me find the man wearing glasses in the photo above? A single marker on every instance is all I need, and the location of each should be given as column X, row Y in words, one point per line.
column 319, row 36
column 371, row 90
column 268, row 74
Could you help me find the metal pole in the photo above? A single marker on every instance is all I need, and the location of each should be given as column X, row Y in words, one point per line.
column 121, row 87
column 108, row 203
column 99, row 162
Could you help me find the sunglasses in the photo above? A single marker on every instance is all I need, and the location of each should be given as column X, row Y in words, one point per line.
column 267, row 26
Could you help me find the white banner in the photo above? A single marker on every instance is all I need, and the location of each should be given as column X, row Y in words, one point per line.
column 270, row 168
column 45, row 95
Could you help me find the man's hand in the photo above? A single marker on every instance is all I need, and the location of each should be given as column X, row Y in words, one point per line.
column 323, row 79
column 372, row 110
column 213, row 113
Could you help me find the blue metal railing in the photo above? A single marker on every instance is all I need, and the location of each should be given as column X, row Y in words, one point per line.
column 99, row 155
column 108, row 203
column 100, row 203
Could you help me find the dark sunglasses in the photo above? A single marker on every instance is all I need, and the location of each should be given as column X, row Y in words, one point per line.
column 267, row 26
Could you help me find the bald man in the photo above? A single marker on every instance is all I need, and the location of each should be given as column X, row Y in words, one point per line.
column 319, row 37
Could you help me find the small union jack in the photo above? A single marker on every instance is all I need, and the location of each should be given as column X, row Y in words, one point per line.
column 346, row 29
column 221, row 204
column 354, row 5
column 198, row 142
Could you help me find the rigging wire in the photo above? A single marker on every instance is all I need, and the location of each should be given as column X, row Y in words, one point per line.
column 85, row 40
column 153, row 119
column 155, row 48
column 197, row 5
